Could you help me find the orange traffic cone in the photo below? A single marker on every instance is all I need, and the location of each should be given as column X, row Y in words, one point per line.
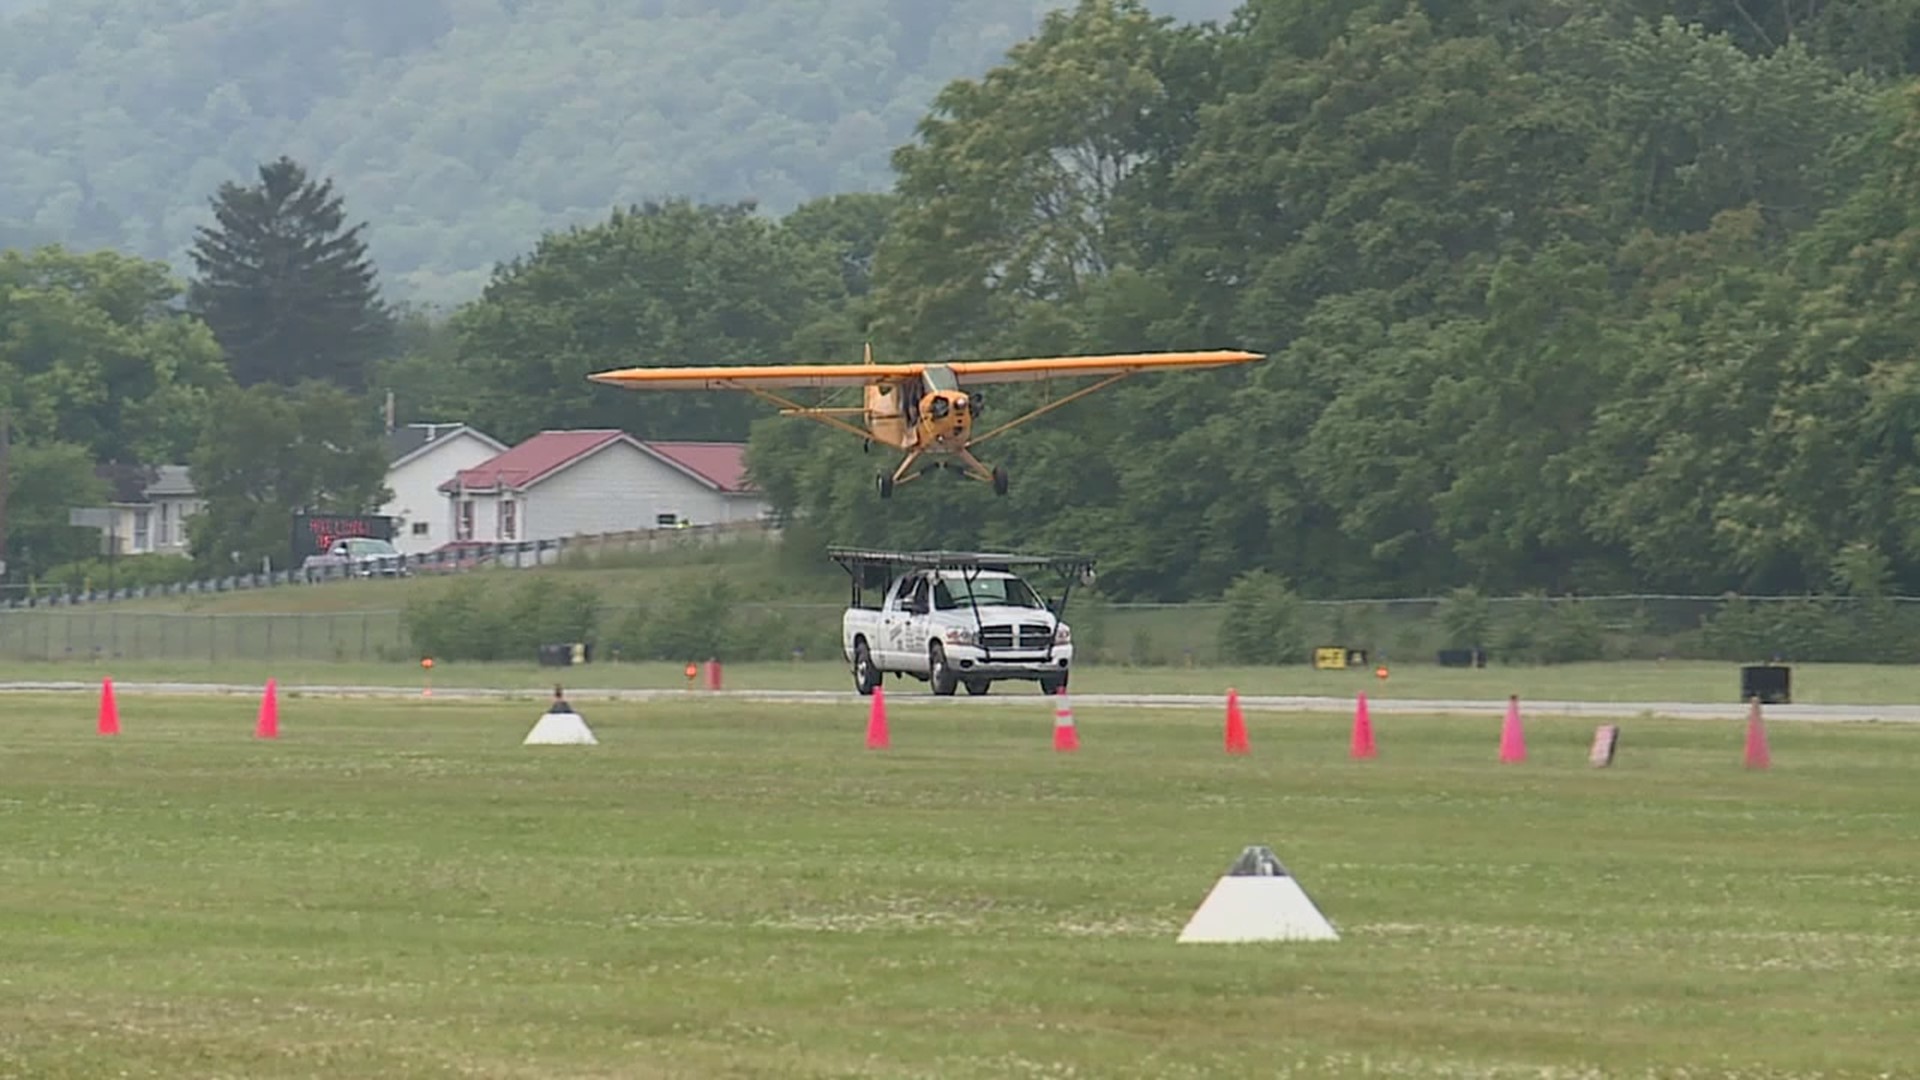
column 1236, row 724
column 1757, row 755
column 1065, row 737
column 109, row 711
column 1362, row 730
column 268, row 726
column 1513, row 740
column 877, row 721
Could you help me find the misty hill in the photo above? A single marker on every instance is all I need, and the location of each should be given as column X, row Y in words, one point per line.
column 460, row 129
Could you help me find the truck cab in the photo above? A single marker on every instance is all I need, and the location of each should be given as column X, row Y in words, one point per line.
column 965, row 625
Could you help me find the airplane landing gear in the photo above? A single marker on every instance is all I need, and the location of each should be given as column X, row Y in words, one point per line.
column 886, row 486
column 999, row 480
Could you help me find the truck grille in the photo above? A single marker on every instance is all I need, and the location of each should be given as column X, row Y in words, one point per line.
column 1001, row 636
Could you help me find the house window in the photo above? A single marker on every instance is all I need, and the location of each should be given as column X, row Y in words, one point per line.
column 141, row 540
column 666, row 521
column 507, row 524
column 420, row 528
column 466, row 520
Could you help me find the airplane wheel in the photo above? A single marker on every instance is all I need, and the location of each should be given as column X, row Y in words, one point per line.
column 886, row 486
column 999, row 480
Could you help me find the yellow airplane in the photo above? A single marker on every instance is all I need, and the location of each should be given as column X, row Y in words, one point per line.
column 920, row 409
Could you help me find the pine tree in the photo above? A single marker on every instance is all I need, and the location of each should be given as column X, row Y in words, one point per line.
column 289, row 292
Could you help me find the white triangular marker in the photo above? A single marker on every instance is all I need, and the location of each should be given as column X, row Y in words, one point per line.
column 1257, row 900
column 561, row 729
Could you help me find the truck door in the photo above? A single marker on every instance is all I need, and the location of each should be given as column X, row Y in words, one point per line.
column 906, row 632
column 893, row 629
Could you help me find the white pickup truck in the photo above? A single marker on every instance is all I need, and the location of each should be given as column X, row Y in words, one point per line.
column 970, row 624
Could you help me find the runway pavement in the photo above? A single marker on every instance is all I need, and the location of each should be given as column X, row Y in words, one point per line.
column 914, row 696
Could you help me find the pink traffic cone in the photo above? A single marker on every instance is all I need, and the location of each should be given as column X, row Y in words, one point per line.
column 1362, row 730
column 268, row 726
column 1758, row 757
column 877, row 721
column 1513, row 741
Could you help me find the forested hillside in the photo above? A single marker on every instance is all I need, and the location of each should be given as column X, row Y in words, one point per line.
column 1574, row 298
column 462, row 128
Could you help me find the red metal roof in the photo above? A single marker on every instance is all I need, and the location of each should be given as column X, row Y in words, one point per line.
column 528, row 462
column 721, row 464
column 724, row 465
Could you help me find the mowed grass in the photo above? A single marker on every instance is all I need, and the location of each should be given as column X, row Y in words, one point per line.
column 724, row 889
column 1684, row 681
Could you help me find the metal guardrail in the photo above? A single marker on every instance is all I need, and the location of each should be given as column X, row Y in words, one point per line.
column 519, row 555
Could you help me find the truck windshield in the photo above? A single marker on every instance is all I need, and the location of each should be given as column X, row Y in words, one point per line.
column 958, row 592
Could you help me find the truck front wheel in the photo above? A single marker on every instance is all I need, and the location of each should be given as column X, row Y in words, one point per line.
column 865, row 675
column 939, row 673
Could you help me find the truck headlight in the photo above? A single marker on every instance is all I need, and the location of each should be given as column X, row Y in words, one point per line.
column 959, row 636
column 1062, row 635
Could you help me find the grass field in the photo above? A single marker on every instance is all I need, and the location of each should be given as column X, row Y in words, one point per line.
column 1692, row 681
column 403, row 890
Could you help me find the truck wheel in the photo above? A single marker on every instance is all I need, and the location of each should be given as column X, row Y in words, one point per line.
column 939, row 674
column 865, row 675
column 1052, row 684
column 978, row 687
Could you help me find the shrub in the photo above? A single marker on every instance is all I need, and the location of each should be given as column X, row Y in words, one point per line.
column 477, row 618
column 1465, row 618
column 132, row 571
column 1262, row 623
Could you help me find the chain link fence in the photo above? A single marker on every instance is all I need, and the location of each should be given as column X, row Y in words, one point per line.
column 1399, row 631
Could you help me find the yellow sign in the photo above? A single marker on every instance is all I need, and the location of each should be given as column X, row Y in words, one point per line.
column 1325, row 659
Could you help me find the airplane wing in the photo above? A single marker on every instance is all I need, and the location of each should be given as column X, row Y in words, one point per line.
column 744, row 376
column 1065, row 367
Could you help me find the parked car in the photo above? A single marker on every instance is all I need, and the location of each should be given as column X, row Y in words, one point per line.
column 359, row 556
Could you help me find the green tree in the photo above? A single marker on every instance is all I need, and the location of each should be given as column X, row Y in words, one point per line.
column 48, row 479
column 669, row 284
column 270, row 452
column 1009, row 196
column 93, row 354
column 286, row 286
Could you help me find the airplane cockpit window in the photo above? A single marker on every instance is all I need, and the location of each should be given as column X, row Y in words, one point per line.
column 940, row 377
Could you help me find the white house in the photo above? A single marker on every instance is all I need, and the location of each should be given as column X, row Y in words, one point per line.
column 420, row 458
column 149, row 507
column 572, row 483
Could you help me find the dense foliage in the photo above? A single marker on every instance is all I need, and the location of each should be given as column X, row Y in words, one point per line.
column 1557, row 298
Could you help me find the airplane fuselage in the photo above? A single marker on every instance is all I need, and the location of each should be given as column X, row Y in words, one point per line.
column 931, row 415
